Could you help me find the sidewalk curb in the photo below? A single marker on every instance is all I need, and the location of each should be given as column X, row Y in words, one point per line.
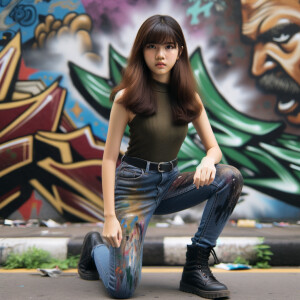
column 167, row 251
column 57, row 246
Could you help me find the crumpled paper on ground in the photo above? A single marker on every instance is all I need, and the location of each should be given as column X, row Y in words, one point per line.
column 56, row 272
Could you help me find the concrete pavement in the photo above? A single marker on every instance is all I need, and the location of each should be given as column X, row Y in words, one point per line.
column 156, row 283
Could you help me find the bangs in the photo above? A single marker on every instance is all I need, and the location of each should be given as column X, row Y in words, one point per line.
column 161, row 33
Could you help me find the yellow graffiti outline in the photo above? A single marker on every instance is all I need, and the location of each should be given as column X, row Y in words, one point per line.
column 63, row 147
column 86, row 131
column 10, row 199
column 20, row 96
column 49, row 165
column 64, row 4
column 62, row 141
column 56, row 202
column 36, row 102
column 77, row 213
column 15, row 44
column 21, row 163
column 66, row 115
column 28, row 87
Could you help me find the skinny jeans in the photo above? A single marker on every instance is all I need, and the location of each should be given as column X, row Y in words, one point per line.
column 141, row 193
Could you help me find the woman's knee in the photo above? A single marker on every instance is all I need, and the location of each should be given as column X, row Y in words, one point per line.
column 230, row 175
column 230, row 181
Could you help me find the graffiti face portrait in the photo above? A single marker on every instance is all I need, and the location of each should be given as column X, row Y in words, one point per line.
column 273, row 28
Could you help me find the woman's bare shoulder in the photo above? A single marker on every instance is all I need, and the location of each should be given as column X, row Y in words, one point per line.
column 118, row 100
column 118, row 96
column 197, row 97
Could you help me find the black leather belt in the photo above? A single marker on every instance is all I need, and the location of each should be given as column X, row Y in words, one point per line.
column 160, row 167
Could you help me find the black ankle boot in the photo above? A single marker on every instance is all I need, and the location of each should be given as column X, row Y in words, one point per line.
column 86, row 266
column 197, row 277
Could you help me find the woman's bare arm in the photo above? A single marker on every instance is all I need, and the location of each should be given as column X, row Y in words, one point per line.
column 205, row 172
column 117, row 124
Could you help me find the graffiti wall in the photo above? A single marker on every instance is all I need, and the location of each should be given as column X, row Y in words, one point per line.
column 59, row 60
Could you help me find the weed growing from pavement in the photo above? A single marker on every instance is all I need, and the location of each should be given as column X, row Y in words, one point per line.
column 38, row 258
column 263, row 255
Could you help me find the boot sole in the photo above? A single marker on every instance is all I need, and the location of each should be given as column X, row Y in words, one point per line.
column 91, row 276
column 205, row 294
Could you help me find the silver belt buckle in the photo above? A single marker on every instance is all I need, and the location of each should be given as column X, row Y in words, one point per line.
column 160, row 163
column 158, row 167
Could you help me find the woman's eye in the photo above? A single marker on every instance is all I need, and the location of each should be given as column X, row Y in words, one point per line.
column 150, row 46
column 170, row 47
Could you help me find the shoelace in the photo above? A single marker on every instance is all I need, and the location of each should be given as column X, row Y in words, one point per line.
column 205, row 268
column 216, row 260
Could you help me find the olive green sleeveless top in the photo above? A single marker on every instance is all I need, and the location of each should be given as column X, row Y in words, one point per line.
column 156, row 138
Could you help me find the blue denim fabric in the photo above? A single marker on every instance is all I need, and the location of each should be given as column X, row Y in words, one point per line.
column 141, row 193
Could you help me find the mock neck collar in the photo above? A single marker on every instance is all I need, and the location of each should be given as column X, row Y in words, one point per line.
column 160, row 86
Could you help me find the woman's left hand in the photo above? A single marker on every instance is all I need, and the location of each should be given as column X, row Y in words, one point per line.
column 205, row 172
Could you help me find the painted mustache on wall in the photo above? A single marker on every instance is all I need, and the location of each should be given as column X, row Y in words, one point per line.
column 287, row 92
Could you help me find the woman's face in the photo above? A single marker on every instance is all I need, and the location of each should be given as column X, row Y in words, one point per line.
column 160, row 59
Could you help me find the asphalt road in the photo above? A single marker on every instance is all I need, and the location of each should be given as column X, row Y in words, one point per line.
column 157, row 283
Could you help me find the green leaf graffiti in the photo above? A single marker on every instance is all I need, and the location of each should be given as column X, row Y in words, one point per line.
column 268, row 158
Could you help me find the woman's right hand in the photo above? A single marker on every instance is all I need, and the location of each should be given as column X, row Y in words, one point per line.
column 112, row 231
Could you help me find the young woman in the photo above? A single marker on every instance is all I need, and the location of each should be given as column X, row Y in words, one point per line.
column 157, row 98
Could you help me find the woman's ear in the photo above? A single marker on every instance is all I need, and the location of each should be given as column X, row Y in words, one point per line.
column 180, row 51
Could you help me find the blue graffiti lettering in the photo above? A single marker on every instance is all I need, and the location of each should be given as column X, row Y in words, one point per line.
column 25, row 15
column 196, row 9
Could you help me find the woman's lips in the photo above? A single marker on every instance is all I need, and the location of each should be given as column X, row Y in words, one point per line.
column 160, row 65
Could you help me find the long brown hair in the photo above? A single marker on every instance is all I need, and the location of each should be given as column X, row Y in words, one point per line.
column 138, row 95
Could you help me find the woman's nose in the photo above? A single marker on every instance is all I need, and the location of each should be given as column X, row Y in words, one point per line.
column 160, row 53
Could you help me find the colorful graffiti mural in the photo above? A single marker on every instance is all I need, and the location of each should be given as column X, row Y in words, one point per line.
column 59, row 61
column 42, row 150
